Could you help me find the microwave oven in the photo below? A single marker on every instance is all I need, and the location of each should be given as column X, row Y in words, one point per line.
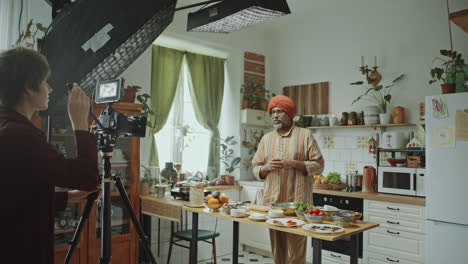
column 398, row 180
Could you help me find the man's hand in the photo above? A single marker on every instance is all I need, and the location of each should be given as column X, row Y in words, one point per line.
column 78, row 108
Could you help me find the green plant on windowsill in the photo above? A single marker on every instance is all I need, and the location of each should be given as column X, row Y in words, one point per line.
column 227, row 157
column 379, row 95
column 29, row 37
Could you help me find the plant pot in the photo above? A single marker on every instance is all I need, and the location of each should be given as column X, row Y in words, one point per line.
column 371, row 115
column 385, row 118
column 245, row 104
column 129, row 95
column 263, row 105
column 145, row 187
column 448, row 88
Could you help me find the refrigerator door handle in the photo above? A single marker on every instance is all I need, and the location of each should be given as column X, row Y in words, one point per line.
column 414, row 182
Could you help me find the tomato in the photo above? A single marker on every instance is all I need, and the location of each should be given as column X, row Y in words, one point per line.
column 322, row 213
column 317, row 211
column 310, row 211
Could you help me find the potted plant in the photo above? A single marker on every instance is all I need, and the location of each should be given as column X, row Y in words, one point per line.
column 228, row 159
column 29, row 37
column 255, row 96
column 379, row 95
column 130, row 93
column 451, row 65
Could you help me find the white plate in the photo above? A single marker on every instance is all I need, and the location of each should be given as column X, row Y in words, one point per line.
column 309, row 227
column 195, row 205
column 240, row 216
column 283, row 222
column 256, row 219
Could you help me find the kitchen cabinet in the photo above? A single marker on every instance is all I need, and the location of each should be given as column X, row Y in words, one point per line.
column 329, row 257
column 401, row 235
column 124, row 235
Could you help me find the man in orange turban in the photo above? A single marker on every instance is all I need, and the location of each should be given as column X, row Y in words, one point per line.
column 287, row 159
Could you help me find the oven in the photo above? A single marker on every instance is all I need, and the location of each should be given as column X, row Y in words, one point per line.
column 342, row 246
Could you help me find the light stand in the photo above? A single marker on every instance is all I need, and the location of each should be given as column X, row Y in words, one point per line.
column 106, row 141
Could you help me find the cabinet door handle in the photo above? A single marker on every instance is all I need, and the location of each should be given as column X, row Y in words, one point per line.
column 394, row 209
column 333, row 255
column 393, row 223
column 391, row 260
column 393, row 233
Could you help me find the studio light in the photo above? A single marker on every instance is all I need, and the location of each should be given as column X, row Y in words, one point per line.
column 93, row 40
column 231, row 15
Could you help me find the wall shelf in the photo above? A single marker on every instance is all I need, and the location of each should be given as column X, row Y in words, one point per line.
column 460, row 18
column 361, row 126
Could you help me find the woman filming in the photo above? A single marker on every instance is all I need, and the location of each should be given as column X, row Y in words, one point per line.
column 30, row 168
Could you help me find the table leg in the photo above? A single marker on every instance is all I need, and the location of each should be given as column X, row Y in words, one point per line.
column 235, row 243
column 354, row 249
column 159, row 235
column 194, row 241
column 317, row 250
column 145, row 221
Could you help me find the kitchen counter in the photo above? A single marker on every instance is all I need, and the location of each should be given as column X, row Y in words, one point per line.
column 223, row 187
column 377, row 196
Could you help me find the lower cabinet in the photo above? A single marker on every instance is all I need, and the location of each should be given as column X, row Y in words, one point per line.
column 400, row 238
column 383, row 259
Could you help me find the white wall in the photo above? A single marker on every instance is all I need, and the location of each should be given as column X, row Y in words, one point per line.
column 324, row 41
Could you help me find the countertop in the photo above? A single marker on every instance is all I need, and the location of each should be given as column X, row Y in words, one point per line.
column 377, row 196
column 364, row 195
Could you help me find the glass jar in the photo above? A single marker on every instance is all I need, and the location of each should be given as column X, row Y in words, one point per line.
column 169, row 174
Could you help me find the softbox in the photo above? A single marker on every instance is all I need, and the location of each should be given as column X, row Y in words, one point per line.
column 92, row 40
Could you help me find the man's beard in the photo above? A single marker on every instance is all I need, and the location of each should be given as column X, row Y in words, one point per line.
column 278, row 125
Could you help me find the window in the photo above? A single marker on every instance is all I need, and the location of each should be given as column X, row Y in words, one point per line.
column 183, row 140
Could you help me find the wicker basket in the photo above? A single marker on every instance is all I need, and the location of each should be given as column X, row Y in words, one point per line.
column 338, row 186
column 415, row 162
column 322, row 186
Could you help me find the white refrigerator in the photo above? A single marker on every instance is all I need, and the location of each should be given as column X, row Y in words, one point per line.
column 446, row 182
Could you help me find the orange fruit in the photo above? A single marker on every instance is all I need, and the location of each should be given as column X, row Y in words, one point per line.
column 223, row 198
column 209, row 196
column 213, row 201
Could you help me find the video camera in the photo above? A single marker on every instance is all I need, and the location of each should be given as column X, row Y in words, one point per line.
column 111, row 121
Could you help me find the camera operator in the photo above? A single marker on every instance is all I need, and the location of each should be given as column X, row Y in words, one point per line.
column 30, row 168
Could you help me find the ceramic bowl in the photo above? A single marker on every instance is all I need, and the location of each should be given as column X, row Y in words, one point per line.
column 214, row 207
column 257, row 216
column 314, row 218
column 357, row 215
column 275, row 213
column 288, row 208
column 342, row 219
column 238, row 212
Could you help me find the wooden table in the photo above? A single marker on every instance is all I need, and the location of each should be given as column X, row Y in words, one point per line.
column 170, row 209
column 317, row 238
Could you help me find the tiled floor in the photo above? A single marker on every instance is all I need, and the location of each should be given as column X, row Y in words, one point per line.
column 244, row 258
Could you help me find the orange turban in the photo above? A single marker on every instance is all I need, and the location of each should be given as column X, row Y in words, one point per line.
column 283, row 102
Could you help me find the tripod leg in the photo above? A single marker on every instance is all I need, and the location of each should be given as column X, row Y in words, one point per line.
column 144, row 239
column 84, row 216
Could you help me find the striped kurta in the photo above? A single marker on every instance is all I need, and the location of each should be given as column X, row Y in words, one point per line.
column 289, row 184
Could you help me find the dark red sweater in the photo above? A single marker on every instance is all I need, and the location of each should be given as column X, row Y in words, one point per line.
column 30, row 168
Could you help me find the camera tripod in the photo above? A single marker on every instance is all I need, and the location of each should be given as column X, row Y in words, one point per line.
column 106, row 141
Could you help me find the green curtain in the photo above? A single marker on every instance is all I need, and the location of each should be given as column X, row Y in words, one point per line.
column 207, row 89
column 165, row 72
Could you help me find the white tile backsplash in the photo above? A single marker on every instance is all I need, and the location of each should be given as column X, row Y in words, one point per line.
column 356, row 155
column 344, row 154
column 340, row 142
column 350, row 142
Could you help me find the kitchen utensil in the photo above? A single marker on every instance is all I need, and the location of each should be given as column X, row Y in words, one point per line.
column 314, row 218
column 288, row 208
column 275, row 213
column 342, row 219
column 368, row 179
